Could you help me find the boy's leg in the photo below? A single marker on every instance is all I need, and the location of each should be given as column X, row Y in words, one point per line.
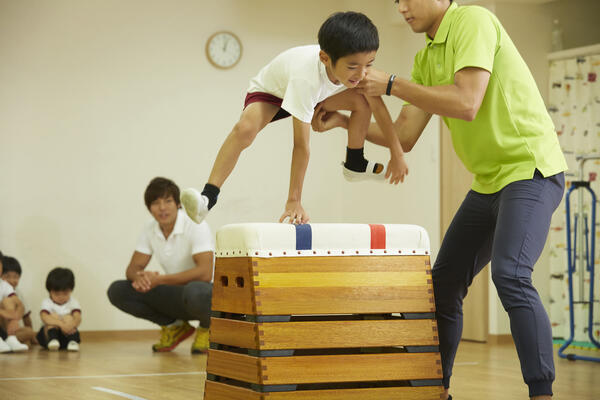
column 253, row 119
column 465, row 250
column 25, row 335
column 12, row 325
column 524, row 212
column 358, row 127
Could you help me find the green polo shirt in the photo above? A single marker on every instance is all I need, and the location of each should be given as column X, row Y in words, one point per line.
column 512, row 134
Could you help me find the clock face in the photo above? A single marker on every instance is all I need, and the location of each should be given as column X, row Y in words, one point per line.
column 223, row 50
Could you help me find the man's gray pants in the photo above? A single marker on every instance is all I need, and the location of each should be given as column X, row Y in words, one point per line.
column 164, row 304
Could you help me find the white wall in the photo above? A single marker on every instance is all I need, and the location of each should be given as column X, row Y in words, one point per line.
column 98, row 97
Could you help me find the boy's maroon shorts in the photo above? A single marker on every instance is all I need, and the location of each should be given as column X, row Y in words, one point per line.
column 260, row 97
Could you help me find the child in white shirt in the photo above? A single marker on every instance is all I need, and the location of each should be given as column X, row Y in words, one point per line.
column 61, row 313
column 11, row 311
column 11, row 273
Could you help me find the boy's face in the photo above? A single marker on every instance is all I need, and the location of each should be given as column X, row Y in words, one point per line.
column 60, row 297
column 11, row 277
column 423, row 15
column 348, row 70
column 164, row 210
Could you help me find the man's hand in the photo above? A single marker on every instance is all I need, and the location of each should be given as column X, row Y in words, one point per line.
column 397, row 169
column 325, row 120
column 294, row 213
column 145, row 281
column 374, row 83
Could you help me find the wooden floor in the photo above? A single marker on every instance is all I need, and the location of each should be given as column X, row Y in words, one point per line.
column 123, row 366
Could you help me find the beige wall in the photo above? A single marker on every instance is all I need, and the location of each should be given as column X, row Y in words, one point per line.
column 100, row 96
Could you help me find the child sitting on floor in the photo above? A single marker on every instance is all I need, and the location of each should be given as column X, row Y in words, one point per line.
column 11, row 273
column 61, row 313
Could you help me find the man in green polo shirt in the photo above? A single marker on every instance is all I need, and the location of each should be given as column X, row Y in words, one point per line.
column 471, row 74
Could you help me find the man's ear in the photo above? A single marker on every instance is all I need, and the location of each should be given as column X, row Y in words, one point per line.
column 324, row 57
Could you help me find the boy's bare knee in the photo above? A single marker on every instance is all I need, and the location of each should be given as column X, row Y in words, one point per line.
column 244, row 133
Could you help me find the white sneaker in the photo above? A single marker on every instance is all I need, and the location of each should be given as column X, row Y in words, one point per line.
column 73, row 346
column 53, row 345
column 194, row 204
column 15, row 345
column 4, row 348
column 368, row 175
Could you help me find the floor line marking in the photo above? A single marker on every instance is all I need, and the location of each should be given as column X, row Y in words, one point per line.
column 41, row 378
column 117, row 393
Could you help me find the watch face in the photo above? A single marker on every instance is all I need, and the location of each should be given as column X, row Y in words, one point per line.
column 223, row 49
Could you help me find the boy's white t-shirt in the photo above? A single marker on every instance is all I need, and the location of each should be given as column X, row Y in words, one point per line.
column 6, row 289
column 175, row 253
column 299, row 78
column 61, row 309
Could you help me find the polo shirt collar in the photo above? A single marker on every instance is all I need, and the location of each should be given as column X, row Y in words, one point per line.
column 177, row 229
column 442, row 33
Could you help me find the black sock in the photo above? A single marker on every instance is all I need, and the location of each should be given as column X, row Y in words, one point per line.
column 211, row 192
column 355, row 160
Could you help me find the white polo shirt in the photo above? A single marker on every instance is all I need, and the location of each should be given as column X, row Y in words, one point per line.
column 299, row 78
column 68, row 308
column 6, row 289
column 175, row 253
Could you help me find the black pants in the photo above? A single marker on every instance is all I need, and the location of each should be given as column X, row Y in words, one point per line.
column 508, row 228
column 56, row 333
column 164, row 304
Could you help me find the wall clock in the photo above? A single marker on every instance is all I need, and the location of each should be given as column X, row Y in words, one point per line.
column 224, row 49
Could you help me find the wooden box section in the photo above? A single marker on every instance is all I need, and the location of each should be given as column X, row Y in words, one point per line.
column 323, row 285
column 324, row 369
column 220, row 391
column 323, row 334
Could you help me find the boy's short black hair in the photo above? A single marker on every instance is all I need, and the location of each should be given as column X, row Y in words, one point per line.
column 159, row 188
column 10, row 264
column 60, row 279
column 345, row 33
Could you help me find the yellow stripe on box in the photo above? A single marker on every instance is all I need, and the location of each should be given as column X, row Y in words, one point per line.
column 341, row 279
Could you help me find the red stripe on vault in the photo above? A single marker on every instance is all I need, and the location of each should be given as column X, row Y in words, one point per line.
column 377, row 236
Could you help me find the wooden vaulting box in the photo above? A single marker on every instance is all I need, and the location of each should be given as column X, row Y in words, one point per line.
column 323, row 311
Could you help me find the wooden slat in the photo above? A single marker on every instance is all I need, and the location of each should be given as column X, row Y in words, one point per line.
column 233, row 298
column 346, row 334
column 404, row 393
column 236, row 366
column 323, row 334
column 350, row 368
column 234, row 333
column 359, row 300
column 221, row 391
column 341, row 279
column 343, row 264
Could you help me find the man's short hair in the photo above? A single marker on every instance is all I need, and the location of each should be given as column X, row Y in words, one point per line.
column 60, row 279
column 10, row 264
column 346, row 33
column 160, row 187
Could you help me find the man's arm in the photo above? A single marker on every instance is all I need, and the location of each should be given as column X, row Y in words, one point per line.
column 300, row 157
column 140, row 279
column 201, row 272
column 461, row 100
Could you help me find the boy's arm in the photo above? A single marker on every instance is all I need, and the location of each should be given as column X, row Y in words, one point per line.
column 300, row 156
column 51, row 319
column 201, row 272
column 409, row 125
column 397, row 168
column 27, row 321
column 76, row 319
